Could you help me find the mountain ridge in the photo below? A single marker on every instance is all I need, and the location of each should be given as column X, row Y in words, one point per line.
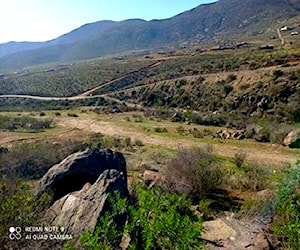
column 224, row 18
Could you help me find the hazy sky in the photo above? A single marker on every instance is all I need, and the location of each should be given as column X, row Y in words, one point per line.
column 41, row 20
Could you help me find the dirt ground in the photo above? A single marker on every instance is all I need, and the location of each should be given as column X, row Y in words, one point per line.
column 264, row 153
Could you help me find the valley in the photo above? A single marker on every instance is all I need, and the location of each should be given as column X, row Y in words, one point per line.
column 182, row 133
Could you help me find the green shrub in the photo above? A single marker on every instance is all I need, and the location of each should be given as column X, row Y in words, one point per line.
column 156, row 220
column 286, row 223
column 26, row 123
column 19, row 207
column 239, row 158
column 160, row 130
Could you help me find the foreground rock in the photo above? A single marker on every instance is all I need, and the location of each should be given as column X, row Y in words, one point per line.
column 80, row 211
column 81, row 168
column 231, row 234
column 80, row 185
column 292, row 140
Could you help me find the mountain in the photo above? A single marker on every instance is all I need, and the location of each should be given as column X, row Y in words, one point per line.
column 222, row 19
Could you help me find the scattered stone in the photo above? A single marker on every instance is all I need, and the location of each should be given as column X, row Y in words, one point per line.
column 292, row 140
column 231, row 134
column 152, row 178
column 265, row 195
column 178, row 117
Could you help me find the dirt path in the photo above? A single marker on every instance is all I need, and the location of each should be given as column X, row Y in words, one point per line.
column 265, row 153
column 282, row 41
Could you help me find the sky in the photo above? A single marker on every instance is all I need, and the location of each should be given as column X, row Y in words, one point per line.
column 41, row 20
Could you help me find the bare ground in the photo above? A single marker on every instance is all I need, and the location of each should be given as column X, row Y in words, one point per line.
column 263, row 153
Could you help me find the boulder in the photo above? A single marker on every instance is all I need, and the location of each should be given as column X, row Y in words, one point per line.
column 80, row 211
column 80, row 168
column 292, row 140
column 178, row 117
column 152, row 178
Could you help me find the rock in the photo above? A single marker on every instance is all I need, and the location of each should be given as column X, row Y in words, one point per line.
column 265, row 195
column 231, row 234
column 80, row 168
column 80, row 211
column 292, row 140
column 178, row 117
column 3, row 150
column 152, row 178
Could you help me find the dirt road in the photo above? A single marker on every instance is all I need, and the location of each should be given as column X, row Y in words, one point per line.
column 265, row 153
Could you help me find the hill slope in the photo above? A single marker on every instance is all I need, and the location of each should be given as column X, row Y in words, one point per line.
column 225, row 18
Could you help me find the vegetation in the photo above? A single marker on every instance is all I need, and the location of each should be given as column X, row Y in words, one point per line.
column 155, row 220
column 286, row 224
column 19, row 207
column 24, row 123
column 194, row 173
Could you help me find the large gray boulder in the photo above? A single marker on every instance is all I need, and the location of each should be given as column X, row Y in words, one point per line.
column 80, row 168
column 292, row 140
column 80, row 186
column 80, row 211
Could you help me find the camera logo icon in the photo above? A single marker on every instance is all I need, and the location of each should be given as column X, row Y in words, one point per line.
column 15, row 233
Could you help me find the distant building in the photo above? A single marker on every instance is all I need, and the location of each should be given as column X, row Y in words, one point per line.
column 267, row 46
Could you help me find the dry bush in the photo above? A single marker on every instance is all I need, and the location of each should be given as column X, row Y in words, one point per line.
column 193, row 172
column 239, row 158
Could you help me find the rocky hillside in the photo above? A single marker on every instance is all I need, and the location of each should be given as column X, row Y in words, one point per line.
column 224, row 19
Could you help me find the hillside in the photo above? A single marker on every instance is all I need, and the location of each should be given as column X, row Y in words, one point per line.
column 221, row 21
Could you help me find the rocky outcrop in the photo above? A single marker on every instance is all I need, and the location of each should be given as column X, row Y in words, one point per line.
column 80, row 186
column 80, row 168
column 292, row 140
column 230, row 134
column 80, row 211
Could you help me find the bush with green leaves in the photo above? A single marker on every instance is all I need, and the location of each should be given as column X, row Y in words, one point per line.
column 19, row 207
column 155, row 220
column 286, row 223
column 24, row 123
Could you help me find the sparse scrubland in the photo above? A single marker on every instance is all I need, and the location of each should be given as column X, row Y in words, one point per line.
column 212, row 127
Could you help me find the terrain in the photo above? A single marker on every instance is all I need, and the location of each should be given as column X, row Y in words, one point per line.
column 224, row 22
column 207, row 121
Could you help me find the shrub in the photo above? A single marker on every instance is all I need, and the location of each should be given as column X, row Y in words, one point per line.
column 156, row 220
column 138, row 143
column 160, row 130
column 72, row 115
column 193, row 172
column 277, row 74
column 32, row 161
column 180, row 130
column 239, row 158
column 127, row 141
column 286, row 223
column 24, row 123
column 255, row 177
column 19, row 208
